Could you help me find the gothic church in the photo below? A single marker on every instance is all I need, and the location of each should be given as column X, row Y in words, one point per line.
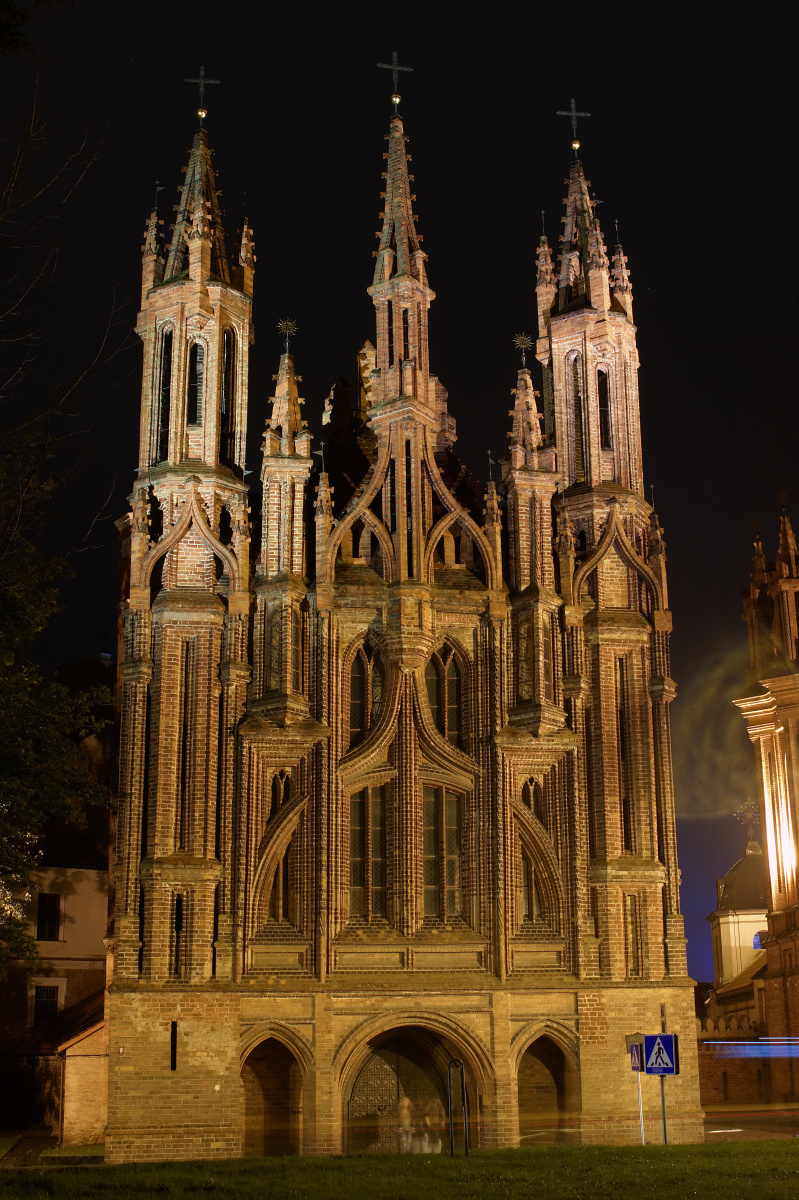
column 396, row 784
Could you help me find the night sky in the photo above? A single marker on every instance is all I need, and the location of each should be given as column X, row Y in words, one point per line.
column 689, row 147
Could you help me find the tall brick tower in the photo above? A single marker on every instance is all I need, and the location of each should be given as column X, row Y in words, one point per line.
column 397, row 779
column 771, row 710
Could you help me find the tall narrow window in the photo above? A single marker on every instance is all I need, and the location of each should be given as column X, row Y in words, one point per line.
column 165, row 390
column 579, row 447
column 632, row 929
column 178, row 920
column 281, row 897
column 48, row 916
column 603, row 394
column 194, row 394
column 367, row 684
column 546, row 655
column 368, row 876
column 184, row 779
column 357, row 699
column 406, row 337
column 441, row 852
column 296, row 650
column 625, row 800
column 538, row 802
column 530, row 895
column 272, row 681
column 433, row 683
column 453, row 702
column 390, row 320
column 445, row 694
column 409, row 501
column 228, row 422
column 378, row 684
column 589, row 782
column 526, row 659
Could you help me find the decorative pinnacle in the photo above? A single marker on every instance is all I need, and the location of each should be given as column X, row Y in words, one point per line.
column 288, row 328
column 395, row 68
column 202, row 82
column 574, row 114
column 523, row 342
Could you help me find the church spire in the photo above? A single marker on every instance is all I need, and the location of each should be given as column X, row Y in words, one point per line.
column 400, row 252
column 198, row 225
column 583, row 260
column 400, row 289
column 787, row 552
column 286, row 422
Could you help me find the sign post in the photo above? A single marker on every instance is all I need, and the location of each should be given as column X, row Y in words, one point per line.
column 661, row 1057
column 635, row 1045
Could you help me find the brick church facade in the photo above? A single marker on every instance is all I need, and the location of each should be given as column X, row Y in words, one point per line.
column 770, row 708
column 396, row 775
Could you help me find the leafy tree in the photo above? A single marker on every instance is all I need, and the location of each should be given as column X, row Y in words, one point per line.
column 45, row 437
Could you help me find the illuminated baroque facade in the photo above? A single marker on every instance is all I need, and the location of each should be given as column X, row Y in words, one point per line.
column 771, row 710
column 396, row 765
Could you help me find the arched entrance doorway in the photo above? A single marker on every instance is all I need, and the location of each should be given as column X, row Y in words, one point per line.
column 272, row 1085
column 398, row 1100
column 547, row 1092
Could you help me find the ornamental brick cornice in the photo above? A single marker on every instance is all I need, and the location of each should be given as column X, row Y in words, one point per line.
column 180, row 868
column 627, row 869
column 662, row 688
column 137, row 670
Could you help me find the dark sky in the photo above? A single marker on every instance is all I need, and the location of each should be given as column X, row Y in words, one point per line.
column 689, row 147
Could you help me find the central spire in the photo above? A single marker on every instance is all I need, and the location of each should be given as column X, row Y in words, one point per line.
column 400, row 289
column 199, row 216
column 400, row 252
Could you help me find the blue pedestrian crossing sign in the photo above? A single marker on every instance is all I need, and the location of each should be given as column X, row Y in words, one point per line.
column 661, row 1055
column 635, row 1056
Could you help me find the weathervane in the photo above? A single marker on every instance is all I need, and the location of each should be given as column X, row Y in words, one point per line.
column 491, row 464
column 543, row 224
column 202, row 82
column 288, row 328
column 616, row 223
column 574, row 114
column 749, row 816
column 523, row 342
column 159, row 187
column 652, row 494
column 395, row 68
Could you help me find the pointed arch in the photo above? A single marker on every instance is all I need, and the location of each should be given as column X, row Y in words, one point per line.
column 532, row 838
column 613, row 533
column 193, row 514
column 441, row 527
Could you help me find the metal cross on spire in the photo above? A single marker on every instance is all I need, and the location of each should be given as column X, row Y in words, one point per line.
column 395, row 68
column 202, row 82
column 749, row 816
column 574, row 114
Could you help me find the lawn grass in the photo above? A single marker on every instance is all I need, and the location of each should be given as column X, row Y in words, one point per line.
column 767, row 1170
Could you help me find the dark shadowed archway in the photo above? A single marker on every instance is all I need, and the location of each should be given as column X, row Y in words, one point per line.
column 547, row 1091
column 406, row 1072
column 272, row 1085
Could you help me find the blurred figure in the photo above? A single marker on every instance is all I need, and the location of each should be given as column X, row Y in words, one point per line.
column 405, row 1125
column 433, row 1123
